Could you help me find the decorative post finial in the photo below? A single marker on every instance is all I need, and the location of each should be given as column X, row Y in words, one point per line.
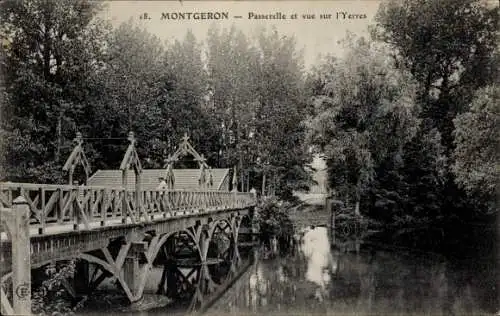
column 185, row 138
column 202, row 159
column 131, row 137
column 235, row 181
column 79, row 138
column 210, row 177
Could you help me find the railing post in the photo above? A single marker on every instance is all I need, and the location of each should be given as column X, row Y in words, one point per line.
column 41, row 229
column 60, row 213
column 76, row 215
column 138, row 197
column 21, row 265
column 124, row 200
column 104, row 206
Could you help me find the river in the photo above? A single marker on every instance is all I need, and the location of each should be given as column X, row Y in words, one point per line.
column 360, row 279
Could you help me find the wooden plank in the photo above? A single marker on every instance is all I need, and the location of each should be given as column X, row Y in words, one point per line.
column 60, row 217
column 109, row 258
column 69, row 198
column 79, row 210
column 32, row 206
column 49, row 206
column 4, row 199
column 21, row 266
column 6, row 214
column 95, row 202
column 120, row 259
column 42, row 211
column 68, row 288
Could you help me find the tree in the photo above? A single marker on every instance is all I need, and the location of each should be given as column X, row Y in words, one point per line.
column 125, row 97
column 184, row 97
column 281, row 108
column 364, row 116
column 257, row 87
column 231, row 68
column 476, row 134
column 421, row 178
column 52, row 48
column 448, row 47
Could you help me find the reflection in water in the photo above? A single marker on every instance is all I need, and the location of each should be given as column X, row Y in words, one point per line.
column 360, row 280
column 316, row 249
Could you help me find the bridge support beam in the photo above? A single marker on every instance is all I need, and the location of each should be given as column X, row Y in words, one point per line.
column 131, row 268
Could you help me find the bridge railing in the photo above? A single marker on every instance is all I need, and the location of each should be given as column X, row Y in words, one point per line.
column 82, row 206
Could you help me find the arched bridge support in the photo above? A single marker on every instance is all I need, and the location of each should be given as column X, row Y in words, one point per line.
column 188, row 243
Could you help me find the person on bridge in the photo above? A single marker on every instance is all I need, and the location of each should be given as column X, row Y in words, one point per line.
column 162, row 185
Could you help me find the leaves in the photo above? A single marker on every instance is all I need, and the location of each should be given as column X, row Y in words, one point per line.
column 364, row 114
column 476, row 137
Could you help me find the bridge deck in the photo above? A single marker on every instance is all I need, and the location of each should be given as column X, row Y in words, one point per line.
column 115, row 222
column 67, row 220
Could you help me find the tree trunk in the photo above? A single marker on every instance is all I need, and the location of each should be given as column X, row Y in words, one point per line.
column 248, row 181
column 356, row 208
column 263, row 189
column 59, row 134
column 358, row 198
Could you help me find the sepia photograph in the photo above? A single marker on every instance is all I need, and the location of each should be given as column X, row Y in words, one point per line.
column 323, row 157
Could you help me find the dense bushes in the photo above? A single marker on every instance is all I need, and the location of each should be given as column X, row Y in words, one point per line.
column 273, row 220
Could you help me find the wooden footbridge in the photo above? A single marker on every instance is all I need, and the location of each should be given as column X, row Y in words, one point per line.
column 121, row 232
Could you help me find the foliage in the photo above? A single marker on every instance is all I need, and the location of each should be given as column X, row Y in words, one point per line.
column 451, row 52
column 52, row 49
column 476, row 134
column 256, row 95
column 448, row 47
column 51, row 297
column 67, row 71
column 272, row 218
column 365, row 113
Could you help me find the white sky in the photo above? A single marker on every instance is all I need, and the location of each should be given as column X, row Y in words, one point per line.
column 317, row 36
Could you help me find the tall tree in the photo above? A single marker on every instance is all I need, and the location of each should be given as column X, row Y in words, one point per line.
column 256, row 86
column 125, row 94
column 52, row 48
column 280, row 112
column 448, row 46
column 364, row 116
column 231, row 68
column 183, row 100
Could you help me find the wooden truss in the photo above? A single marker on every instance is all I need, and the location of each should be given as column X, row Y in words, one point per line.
column 131, row 160
column 205, row 179
column 77, row 157
column 185, row 148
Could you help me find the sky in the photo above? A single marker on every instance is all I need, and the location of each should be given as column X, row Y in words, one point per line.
column 315, row 36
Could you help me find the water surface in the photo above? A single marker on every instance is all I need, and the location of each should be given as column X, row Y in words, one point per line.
column 356, row 279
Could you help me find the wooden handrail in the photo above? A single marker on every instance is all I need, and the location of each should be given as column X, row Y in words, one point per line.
column 52, row 204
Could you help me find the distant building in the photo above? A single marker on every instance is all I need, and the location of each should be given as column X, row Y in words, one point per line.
column 320, row 176
column 318, row 192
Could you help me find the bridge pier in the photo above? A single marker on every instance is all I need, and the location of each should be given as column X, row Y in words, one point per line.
column 16, row 221
column 131, row 266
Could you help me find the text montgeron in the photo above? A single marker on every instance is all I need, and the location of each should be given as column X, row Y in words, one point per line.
column 194, row 16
